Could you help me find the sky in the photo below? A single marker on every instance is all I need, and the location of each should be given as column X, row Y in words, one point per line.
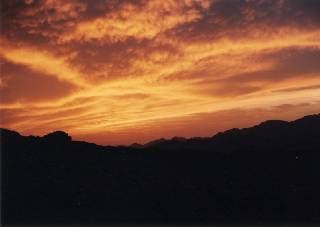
column 119, row 72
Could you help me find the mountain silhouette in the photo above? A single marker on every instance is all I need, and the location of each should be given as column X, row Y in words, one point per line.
column 264, row 174
column 57, row 137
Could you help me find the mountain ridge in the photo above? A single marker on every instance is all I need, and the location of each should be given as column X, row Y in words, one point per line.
column 264, row 124
column 266, row 174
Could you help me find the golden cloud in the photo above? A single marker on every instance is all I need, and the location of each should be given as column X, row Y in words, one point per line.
column 44, row 62
column 146, row 20
column 155, row 66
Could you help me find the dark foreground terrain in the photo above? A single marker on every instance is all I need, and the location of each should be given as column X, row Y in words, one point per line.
column 269, row 173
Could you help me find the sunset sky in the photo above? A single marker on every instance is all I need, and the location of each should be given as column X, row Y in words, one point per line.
column 124, row 71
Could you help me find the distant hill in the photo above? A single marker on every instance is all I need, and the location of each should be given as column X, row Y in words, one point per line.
column 267, row 135
column 265, row 174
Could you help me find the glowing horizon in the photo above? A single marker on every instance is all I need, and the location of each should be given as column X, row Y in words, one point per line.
column 119, row 72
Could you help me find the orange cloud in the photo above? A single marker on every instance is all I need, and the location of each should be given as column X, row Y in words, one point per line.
column 21, row 85
column 44, row 62
column 118, row 67
column 145, row 20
